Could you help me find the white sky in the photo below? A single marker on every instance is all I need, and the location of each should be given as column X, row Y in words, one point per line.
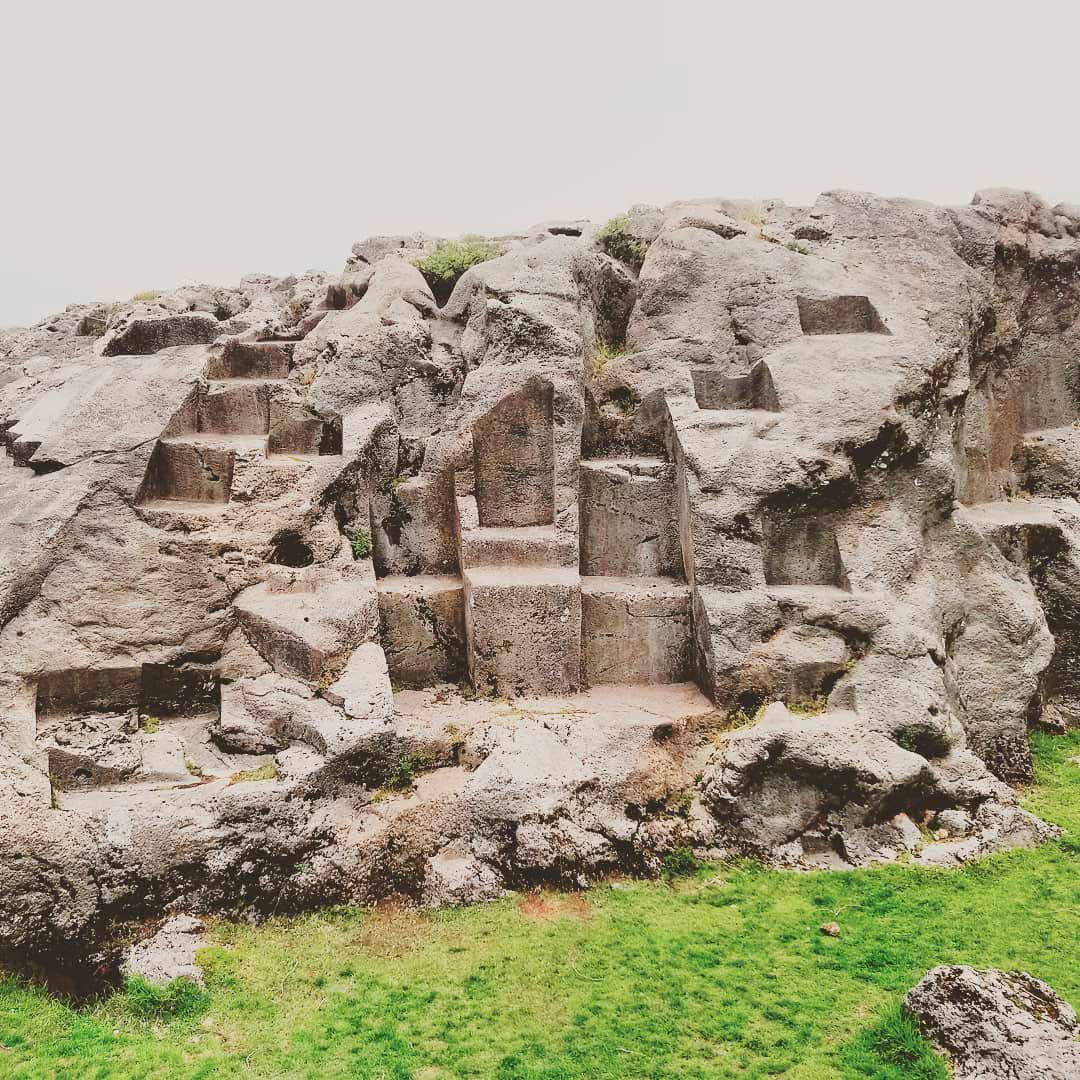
column 148, row 144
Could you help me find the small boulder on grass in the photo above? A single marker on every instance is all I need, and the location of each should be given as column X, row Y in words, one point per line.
column 830, row 929
column 996, row 1025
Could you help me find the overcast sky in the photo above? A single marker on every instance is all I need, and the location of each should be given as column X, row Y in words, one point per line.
column 148, row 144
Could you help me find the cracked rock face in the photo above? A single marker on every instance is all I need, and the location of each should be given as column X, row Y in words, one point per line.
column 997, row 1025
column 325, row 588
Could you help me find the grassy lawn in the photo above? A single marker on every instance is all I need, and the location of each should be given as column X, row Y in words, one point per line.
column 723, row 974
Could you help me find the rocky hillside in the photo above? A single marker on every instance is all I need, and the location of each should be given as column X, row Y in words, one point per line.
column 726, row 528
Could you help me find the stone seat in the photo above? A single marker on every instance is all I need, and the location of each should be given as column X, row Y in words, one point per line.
column 422, row 627
column 197, row 467
column 523, row 625
column 251, row 360
column 235, row 406
column 530, row 545
column 635, row 630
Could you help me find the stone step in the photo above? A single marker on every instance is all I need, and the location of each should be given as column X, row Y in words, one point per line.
column 839, row 315
column 1050, row 462
column 186, row 509
column 251, row 360
column 234, row 407
column 523, row 625
column 196, row 468
column 294, row 428
column 422, row 626
column 507, row 545
column 629, row 518
column 531, row 545
column 306, row 624
column 413, row 527
column 635, row 630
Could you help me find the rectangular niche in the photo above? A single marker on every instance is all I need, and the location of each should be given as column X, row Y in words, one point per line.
column 175, row 691
column 801, row 549
column 754, row 390
column 83, row 691
column 514, row 458
column 839, row 315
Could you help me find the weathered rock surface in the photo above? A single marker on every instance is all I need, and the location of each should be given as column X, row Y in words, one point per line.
column 169, row 954
column 997, row 1025
column 766, row 539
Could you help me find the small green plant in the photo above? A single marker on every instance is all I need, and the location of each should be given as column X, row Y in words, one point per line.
column 615, row 239
column 734, row 720
column 402, row 773
column 799, row 249
column 604, row 353
column 150, row 724
column 269, row 771
column 450, row 259
column 181, row 999
column 148, row 294
column 906, row 741
column 194, row 769
column 683, row 803
column 361, row 543
column 624, row 399
column 394, row 484
column 680, row 863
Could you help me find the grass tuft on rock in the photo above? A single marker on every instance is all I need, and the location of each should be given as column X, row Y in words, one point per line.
column 269, row 771
column 616, row 240
column 450, row 259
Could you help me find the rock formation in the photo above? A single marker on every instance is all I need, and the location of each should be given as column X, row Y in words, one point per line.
column 733, row 526
column 997, row 1025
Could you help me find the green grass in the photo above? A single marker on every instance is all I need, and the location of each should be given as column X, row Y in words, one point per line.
column 722, row 973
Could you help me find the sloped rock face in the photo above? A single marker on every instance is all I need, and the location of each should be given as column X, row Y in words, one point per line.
column 759, row 542
column 997, row 1025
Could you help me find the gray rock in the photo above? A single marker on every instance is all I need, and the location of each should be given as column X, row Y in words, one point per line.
column 253, row 538
column 169, row 954
column 141, row 336
column 996, row 1025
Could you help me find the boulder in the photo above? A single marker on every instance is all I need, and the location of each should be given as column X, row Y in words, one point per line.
column 997, row 1025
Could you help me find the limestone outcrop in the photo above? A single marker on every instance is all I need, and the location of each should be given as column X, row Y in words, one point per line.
column 734, row 527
